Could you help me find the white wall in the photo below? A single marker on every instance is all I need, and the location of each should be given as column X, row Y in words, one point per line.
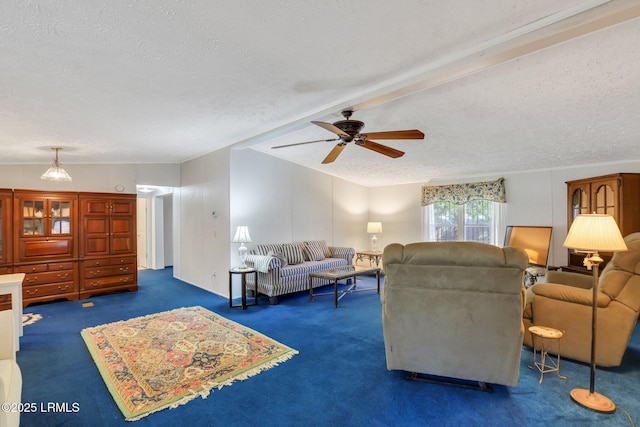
column 202, row 241
column 284, row 202
column 98, row 178
column 278, row 200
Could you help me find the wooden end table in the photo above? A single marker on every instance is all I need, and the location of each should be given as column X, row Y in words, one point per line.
column 375, row 256
column 339, row 273
column 243, row 273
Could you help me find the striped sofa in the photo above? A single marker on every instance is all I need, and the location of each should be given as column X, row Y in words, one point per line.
column 284, row 268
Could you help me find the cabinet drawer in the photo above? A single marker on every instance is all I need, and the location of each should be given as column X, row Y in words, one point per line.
column 57, row 266
column 107, row 282
column 38, row 268
column 32, row 279
column 123, row 260
column 39, row 291
column 99, row 262
column 109, row 270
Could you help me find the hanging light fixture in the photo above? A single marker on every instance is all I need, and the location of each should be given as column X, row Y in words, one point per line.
column 56, row 172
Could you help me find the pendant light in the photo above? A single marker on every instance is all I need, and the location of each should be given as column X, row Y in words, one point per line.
column 56, row 172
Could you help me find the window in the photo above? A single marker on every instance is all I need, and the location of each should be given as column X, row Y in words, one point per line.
column 478, row 221
column 472, row 212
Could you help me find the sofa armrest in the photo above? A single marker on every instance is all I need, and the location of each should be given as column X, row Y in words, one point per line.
column 263, row 263
column 343, row 252
column 576, row 280
column 569, row 294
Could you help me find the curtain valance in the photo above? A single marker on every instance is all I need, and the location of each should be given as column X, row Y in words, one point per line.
column 462, row 193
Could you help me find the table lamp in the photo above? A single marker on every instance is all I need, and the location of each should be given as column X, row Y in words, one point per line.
column 591, row 233
column 374, row 228
column 242, row 237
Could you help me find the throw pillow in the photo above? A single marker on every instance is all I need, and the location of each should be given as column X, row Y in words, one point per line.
column 323, row 246
column 293, row 252
column 313, row 251
column 266, row 248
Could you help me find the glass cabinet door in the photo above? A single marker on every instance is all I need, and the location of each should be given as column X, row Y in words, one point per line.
column 605, row 200
column 60, row 217
column 33, row 217
column 579, row 202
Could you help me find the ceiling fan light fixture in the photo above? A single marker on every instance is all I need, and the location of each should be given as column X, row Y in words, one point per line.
column 348, row 130
column 56, row 172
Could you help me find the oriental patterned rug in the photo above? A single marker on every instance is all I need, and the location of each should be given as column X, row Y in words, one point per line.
column 30, row 318
column 167, row 359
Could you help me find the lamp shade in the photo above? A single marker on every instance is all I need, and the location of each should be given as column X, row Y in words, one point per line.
column 374, row 227
column 242, row 235
column 595, row 233
column 56, row 172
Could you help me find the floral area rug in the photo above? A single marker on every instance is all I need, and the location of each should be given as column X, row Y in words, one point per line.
column 167, row 359
column 30, row 318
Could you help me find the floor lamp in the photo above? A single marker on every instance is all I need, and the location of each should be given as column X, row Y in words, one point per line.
column 592, row 233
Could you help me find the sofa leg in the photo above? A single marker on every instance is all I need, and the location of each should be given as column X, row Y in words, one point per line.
column 273, row 300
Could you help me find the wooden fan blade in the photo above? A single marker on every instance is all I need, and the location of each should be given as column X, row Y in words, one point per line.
column 331, row 128
column 308, row 142
column 382, row 149
column 334, row 153
column 396, row 134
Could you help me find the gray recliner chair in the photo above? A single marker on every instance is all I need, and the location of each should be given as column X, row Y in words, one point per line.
column 565, row 302
column 454, row 310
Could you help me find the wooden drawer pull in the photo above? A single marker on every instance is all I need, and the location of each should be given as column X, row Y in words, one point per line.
column 63, row 276
column 30, row 292
column 34, row 278
column 124, row 268
column 60, row 288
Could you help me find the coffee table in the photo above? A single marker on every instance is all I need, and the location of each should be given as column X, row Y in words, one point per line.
column 339, row 273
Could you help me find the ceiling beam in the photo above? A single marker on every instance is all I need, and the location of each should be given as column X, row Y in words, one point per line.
column 552, row 30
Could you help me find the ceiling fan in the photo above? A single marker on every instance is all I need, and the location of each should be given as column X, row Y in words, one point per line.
column 349, row 130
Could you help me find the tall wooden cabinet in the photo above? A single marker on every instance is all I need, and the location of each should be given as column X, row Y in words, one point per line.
column 6, row 256
column 6, row 217
column 617, row 195
column 69, row 245
column 107, row 243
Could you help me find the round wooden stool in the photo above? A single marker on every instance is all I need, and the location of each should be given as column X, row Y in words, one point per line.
column 546, row 339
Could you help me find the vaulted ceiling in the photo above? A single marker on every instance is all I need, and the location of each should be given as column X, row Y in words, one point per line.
column 497, row 86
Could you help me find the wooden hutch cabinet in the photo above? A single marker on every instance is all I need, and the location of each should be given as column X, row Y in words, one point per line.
column 617, row 195
column 6, row 257
column 44, row 244
column 107, row 243
column 6, row 213
column 70, row 245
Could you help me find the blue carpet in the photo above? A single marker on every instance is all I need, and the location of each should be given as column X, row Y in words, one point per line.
column 339, row 377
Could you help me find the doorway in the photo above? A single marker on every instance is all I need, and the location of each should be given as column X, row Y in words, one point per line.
column 141, row 226
column 154, row 227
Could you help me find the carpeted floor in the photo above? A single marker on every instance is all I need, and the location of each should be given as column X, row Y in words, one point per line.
column 339, row 376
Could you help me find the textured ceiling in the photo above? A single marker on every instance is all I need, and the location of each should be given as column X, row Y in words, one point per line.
column 497, row 85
